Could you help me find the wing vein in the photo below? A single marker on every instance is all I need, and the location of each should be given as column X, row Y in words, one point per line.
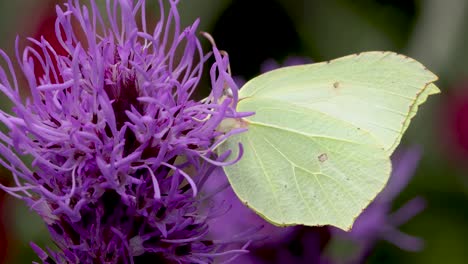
column 266, row 176
column 293, row 165
column 303, row 134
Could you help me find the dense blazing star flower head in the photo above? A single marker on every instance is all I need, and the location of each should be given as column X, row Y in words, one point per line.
column 120, row 151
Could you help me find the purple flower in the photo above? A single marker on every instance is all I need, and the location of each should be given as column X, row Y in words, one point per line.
column 119, row 150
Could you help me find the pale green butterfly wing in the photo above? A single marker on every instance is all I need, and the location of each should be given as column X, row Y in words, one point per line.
column 317, row 150
column 307, row 177
column 373, row 90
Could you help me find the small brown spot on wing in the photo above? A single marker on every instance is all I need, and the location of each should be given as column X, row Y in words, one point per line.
column 336, row 85
column 323, row 157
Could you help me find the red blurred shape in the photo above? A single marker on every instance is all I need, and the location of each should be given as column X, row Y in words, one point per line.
column 454, row 123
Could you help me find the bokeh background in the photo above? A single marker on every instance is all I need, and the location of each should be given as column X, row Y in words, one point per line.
column 435, row 32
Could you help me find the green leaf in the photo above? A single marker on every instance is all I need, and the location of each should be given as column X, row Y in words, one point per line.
column 318, row 148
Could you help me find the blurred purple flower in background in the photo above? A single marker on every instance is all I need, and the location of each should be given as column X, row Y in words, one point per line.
column 120, row 151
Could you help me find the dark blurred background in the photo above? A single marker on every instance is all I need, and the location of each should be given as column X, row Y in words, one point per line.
column 254, row 31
